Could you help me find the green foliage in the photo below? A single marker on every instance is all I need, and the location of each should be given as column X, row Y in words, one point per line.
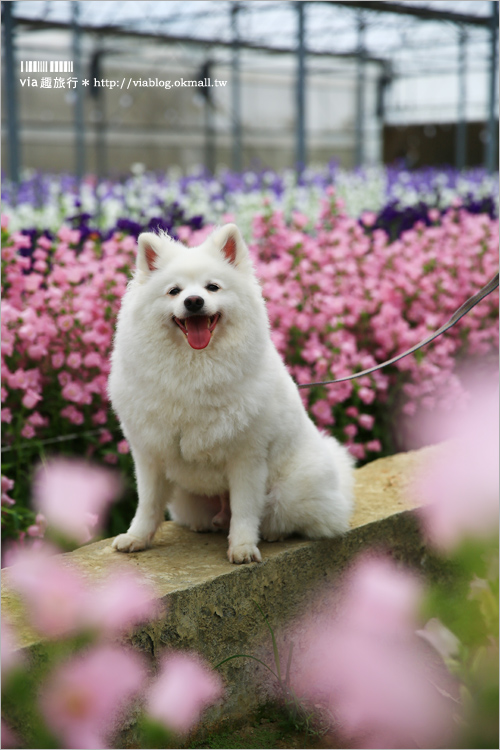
column 468, row 606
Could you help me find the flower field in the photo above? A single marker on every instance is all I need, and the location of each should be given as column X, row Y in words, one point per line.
column 355, row 268
column 44, row 202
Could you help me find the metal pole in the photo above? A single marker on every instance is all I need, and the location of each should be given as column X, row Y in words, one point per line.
column 78, row 110
column 360, row 91
column 97, row 92
column 491, row 141
column 301, row 74
column 209, row 138
column 236, row 90
column 11, row 93
column 461, row 131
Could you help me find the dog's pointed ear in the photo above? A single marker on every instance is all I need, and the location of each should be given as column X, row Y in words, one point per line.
column 148, row 252
column 230, row 243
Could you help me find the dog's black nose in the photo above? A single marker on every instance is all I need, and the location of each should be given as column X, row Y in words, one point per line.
column 194, row 304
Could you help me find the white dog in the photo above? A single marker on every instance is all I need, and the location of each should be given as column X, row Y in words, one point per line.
column 215, row 423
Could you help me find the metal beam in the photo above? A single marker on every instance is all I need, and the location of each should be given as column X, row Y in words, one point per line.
column 491, row 156
column 360, row 91
column 78, row 110
column 236, row 90
column 461, row 131
column 423, row 14
column 39, row 25
column 11, row 93
column 301, row 88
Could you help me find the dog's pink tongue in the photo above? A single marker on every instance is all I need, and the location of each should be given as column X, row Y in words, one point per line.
column 198, row 335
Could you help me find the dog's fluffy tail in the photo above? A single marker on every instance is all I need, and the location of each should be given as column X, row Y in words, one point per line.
column 344, row 463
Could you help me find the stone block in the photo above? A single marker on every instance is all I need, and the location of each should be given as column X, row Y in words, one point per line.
column 211, row 605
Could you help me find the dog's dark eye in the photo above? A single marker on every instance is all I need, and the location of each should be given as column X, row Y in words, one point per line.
column 212, row 287
column 174, row 291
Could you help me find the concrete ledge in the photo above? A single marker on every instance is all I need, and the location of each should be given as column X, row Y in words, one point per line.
column 210, row 604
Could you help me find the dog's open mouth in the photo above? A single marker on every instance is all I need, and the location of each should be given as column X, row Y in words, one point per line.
column 198, row 329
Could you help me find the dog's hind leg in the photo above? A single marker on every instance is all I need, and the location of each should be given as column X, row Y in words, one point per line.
column 197, row 512
column 223, row 518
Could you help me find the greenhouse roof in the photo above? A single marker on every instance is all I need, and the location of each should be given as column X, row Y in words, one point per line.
column 392, row 31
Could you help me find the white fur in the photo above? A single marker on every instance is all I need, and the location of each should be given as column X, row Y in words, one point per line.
column 227, row 418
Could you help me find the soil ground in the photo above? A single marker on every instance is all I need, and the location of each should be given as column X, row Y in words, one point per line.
column 270, row 727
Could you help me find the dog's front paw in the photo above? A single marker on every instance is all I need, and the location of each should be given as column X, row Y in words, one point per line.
column 129, row 543
column 243, row 553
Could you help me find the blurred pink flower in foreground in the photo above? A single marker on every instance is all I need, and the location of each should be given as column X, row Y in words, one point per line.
column 183, row 689
column 71, row 493
column 461, row 485
column 60, row 602
column 82, row 699
column 368, row 669
column 54, row 593
column 8, row 737
column 125, row 599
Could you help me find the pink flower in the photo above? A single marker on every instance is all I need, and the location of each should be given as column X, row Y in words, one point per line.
column 54, row 594
column 7, row 500
column 123, row 447
column 37, row 420
column 58, row 360
column 67, row 491
column 323, row 411
column 373, row 445
column 123, row 601
column 183, row 689
column 74, row 360
column 368, row 218
column 366, row 668
column 17, row 379
column 366, row 421
column 356, row 450
column 350, row 430
column 44, row 242
column 461, row 485
column 70, row 236
column 72, row 413
column 100, row 417
column 352, row 411
column 410, row 408
column 82, row 699
column 72, row 392
column 37, row 351
column 65, row 322
column 38, row 528
column 30, row 399
column 21, row 240
column 366, row 395
column 28, row 431
column 92, row 359
column 9, row 738
column 7, row 484
column 32, row 282
column 6, row 415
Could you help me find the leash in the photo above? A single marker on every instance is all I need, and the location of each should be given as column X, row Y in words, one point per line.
column 463, row 310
